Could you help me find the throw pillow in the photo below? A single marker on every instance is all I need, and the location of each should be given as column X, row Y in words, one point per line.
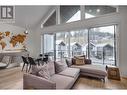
column 69, row 62
column 84, row 58
column 44, row 72
column 36, row 69
column 51, row 67
column 60, row 66
column 6, row 59
column 79, row 61
column 73, row 60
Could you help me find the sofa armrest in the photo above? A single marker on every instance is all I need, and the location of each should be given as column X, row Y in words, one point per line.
column 88, row 61
column 34, row 82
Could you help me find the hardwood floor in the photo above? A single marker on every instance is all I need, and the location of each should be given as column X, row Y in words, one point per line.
column 13, row 79
column 91, row 83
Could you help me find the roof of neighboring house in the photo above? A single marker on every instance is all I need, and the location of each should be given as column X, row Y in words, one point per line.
column 75, row 43
column 60, row 42
column 84, row 46
column 103, row 45
column 90, row 43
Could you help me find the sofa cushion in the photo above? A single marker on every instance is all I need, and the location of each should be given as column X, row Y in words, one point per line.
column 70, row 72
column 69, row 62
column 79, row 60
column 51, row 67
column 62, row 82
column 60, row 66
column 88, row 61
column 35, row 69
column 93, row 69
column 44, row 72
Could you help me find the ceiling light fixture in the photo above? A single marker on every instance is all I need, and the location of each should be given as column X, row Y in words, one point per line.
column 98, row 10
column 26, row 30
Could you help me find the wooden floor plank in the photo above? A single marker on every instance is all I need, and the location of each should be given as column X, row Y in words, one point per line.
column 91, row 83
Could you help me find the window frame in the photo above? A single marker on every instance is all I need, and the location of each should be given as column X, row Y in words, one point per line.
column 84, row 11
column 82, row 15
column 48, row 16
column 88, row 40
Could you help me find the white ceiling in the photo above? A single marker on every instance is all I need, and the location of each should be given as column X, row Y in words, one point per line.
column 30, row 15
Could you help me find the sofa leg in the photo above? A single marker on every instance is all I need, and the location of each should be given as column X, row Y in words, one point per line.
column 103, row 79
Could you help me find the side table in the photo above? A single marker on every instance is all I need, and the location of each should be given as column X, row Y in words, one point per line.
column 113, row 72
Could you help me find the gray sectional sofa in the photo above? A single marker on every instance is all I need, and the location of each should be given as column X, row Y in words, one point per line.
column 64, row 79
column 97, row 71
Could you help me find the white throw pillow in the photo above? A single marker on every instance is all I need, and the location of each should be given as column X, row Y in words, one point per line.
column 35, row 69
column 51, row 68
column 41, row 71
column 44, row 72
column 60, row 66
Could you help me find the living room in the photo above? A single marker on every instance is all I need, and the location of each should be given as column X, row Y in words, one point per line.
column 65, row 33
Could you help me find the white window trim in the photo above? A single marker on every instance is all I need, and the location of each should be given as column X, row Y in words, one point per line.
column 49, row 15
column 82, row 16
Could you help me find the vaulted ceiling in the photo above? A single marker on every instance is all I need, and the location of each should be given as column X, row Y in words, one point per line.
column 30, row 15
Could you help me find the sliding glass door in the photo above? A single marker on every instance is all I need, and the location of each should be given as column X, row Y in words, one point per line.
column 102, row 45
column 62, row 45
column 70, row 44
column 49, row 45
column 78, row 42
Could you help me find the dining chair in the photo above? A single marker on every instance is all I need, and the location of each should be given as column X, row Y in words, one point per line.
column 45, row 59
column 32, row 62
column 25, row 61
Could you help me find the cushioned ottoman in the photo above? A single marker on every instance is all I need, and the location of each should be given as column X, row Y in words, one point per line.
column 97, row 71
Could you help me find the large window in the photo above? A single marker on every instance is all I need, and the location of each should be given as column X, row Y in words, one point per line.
column 94, row 10
column 103, row 49
column 62, row 45
column 51, row 20
column 98, row 44
column 78, row 40
column 49, row 45
column 69, row 13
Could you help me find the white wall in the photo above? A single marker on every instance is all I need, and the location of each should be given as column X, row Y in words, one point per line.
column 122, row 41
column 36, row 37
column 119, row 18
